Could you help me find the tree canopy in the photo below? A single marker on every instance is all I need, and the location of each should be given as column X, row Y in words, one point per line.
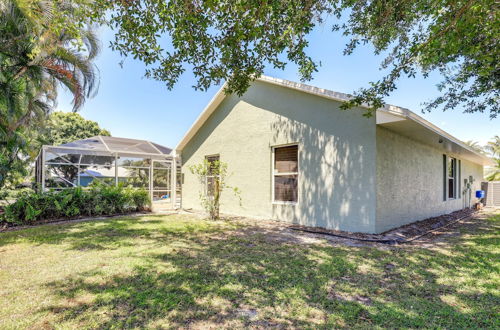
column 43, row 45
column 234, row 40
column 65, row 127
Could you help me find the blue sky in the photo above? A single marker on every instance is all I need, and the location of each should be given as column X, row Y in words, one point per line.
column 130, row 105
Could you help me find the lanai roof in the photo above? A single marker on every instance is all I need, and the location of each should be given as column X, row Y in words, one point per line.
column 112, row 145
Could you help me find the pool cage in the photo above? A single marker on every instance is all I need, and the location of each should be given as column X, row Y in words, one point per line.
column 111, row 160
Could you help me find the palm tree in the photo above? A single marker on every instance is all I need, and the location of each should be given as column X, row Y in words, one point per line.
column 494, row 146
column 493, row 173
column 34, row 61
column 475, row 146
column 46, row 58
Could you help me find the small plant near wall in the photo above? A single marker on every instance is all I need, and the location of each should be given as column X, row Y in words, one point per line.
column 212, row 176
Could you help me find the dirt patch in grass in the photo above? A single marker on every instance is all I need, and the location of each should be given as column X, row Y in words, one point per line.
column 403, row 234
column 422, row 233
column 179, row 271
column 441, row 237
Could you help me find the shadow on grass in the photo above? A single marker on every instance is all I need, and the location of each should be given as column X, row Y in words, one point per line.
column 105, row 234
column 240, row 279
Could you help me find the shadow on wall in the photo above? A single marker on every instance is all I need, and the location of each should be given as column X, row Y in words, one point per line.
column 337, row 164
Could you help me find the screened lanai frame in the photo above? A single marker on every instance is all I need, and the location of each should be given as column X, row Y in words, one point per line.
column 111, row 160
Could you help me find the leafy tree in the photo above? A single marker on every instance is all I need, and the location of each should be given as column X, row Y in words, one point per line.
column 65, row 127
column 37, row 54
column 234, row 41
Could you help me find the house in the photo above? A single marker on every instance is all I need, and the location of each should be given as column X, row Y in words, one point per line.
column 297, row 157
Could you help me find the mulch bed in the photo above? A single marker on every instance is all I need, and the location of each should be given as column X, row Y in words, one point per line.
column 401, row 234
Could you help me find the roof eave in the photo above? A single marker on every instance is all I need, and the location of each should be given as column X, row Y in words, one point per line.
column 204, row 115
column 408, row 114
column 325, row 93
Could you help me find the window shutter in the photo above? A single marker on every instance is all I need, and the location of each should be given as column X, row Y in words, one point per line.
column 459, row 177
column 445, row 178
column 286, row 159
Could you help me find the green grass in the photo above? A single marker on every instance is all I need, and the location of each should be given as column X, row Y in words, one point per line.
column 180, row 271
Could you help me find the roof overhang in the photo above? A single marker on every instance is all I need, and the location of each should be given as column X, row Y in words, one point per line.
column 400, row 120
column 202, row 118
column 409, row 124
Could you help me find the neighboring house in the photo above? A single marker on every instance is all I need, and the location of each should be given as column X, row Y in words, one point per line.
column 297, row 157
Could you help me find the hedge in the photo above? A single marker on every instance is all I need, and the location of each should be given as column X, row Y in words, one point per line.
column 97, row 200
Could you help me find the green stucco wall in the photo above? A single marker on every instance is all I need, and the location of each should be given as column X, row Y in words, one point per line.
column 337, row 157
column 410, row 181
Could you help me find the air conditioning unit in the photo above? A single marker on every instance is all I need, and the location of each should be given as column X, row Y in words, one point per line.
column 492, row 189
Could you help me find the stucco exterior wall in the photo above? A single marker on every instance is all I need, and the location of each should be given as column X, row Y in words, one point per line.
column 410, row 181
column 337, row 157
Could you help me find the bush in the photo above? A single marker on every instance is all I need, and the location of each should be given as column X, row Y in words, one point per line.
column 11, row 194
column 74, row 202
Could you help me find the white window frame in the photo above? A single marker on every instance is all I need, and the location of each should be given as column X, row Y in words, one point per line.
column 450, row 161
column 273, row 174
column 210, row 176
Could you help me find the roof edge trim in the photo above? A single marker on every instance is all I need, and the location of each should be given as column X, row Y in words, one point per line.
column 325, row 93
column 202, row 118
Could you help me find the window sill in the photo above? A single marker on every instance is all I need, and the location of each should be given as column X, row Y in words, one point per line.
column 284, row 203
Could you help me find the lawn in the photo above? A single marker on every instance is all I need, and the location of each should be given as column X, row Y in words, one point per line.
column 181, row 271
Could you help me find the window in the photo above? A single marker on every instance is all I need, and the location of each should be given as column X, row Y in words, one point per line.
column 211, row 175
column 285, row 174
column 452, row 177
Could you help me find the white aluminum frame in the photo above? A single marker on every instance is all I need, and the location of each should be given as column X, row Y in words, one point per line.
column 273, row 174
column 210, row 176
column 171, row 189
column 450, row 161
column 171, row 159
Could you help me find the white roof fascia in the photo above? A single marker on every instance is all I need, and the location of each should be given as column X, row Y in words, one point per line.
column 336, row 96
column 204, row 115
column 398, row 111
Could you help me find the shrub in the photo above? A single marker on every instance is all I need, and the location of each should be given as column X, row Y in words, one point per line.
column 212, row 176
column 74, row 202
column 11, row 194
